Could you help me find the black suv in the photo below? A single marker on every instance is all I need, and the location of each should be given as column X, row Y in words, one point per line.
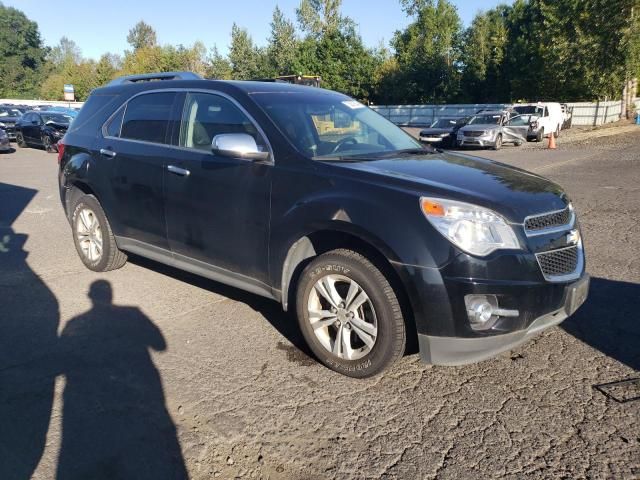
column 307, row 197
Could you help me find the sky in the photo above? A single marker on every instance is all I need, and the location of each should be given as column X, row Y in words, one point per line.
column 100, row 27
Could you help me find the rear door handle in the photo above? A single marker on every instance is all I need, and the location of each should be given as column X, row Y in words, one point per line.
column 183, row 172
column 107, row 153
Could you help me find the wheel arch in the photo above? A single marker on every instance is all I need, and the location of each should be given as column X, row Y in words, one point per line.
column 315, row 243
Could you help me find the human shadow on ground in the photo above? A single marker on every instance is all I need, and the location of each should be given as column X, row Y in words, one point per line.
column 29, row 319
column 609, row 321
column 115, row 424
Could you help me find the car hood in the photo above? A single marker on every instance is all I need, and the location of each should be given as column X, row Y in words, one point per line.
column 513, row 192
column 435, row 131
column 479, row 126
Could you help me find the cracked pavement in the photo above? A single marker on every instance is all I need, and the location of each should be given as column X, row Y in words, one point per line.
column 225, row 373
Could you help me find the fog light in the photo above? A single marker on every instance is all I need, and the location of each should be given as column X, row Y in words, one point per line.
column 483, row 311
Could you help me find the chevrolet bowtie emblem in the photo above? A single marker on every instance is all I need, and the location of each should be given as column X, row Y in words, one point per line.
column 573, row 237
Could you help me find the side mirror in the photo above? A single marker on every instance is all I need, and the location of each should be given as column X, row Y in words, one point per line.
column 237, row 145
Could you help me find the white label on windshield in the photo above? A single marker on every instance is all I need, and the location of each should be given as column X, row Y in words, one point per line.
column 353, row 104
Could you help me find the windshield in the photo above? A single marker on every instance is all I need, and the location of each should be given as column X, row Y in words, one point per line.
column 323, row 125
column 55, row 118
column 485, row 120
column 9, row 112
column 527, row 109
column 444, row 123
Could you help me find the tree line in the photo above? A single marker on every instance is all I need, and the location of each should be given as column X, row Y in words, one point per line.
column 567, row 50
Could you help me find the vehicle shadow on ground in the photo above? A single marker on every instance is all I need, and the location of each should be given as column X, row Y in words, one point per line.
column 284, row 322
column 609, row 320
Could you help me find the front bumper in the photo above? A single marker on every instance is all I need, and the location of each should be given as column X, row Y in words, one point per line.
column 476, row 142
column 443, row 350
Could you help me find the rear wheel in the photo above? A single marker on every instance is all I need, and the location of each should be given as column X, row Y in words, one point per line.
column 349, row 314
column 93, row 237
column 20, row 140
column 498, row 144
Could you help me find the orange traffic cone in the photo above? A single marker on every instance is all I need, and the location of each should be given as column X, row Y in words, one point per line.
column 552, row 141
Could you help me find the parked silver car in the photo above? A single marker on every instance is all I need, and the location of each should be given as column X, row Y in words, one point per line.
column 494, row 129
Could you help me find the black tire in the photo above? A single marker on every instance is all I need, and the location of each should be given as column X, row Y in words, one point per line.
column 557, row 132
column 46, row 143
column 390, row 341
column 111, row 258
column 540, row 135
column 20, row 140
column 498, row 144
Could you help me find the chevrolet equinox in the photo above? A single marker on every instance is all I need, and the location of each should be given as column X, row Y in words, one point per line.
column 310, row 198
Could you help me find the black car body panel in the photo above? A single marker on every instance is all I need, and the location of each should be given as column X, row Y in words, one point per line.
column 253, row 224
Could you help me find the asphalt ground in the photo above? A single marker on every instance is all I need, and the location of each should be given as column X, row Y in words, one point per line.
column 176, row 375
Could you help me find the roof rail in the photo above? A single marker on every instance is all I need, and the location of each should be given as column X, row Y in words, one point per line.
column 147, row 77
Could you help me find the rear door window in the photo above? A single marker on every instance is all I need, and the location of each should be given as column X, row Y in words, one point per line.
column 148, row 117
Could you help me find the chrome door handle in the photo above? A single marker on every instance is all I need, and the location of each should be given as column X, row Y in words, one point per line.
column 107, row 153
column 183, row 172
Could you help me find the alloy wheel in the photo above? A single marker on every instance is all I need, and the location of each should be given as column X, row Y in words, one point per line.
column 89, row 234
column 342, row 317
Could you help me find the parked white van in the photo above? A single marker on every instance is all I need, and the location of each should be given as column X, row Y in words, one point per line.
column 550, row 118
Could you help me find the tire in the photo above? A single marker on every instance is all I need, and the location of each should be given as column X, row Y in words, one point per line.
column 20, row 140
column 385, row 326
column 556, row 134
column 46, row 142
column 87, row 210
column 498, row 144
column 540, row 135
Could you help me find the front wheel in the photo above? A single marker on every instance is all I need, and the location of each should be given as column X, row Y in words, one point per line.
column 20, row 140
column 48, row 146
column 498, row 144
column 349, row 314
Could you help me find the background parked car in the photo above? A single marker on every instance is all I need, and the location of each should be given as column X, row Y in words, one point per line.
column 443, row 131
column 8, row 118
column 5, row 146
column 42, row 129
column 487, row 130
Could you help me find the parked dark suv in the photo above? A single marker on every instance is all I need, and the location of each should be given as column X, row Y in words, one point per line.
column 307, row 197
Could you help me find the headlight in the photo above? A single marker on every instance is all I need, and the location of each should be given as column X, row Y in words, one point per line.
column 443, row 135
column 476, row 230
column 2, row 125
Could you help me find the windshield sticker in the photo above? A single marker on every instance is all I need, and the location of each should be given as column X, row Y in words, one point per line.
column 352, row 104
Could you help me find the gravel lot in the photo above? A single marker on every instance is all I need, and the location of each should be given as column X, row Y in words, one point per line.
column 178, row 373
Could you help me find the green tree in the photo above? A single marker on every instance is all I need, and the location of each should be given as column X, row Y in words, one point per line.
column 218, row 66
column 22, row 54
column 283, row 43
column 107, row 68
column 317, row 17
column 142, row 35
column 428, row 52
column 243, row 55
column 482, row 55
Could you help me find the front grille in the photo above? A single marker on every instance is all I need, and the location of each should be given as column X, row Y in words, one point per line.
column 473, row 133
column 561, row 262
column 549, row 220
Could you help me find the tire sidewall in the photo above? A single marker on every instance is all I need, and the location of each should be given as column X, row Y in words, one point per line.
column 377, row 359
column 20, row 140
column 88, row 201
